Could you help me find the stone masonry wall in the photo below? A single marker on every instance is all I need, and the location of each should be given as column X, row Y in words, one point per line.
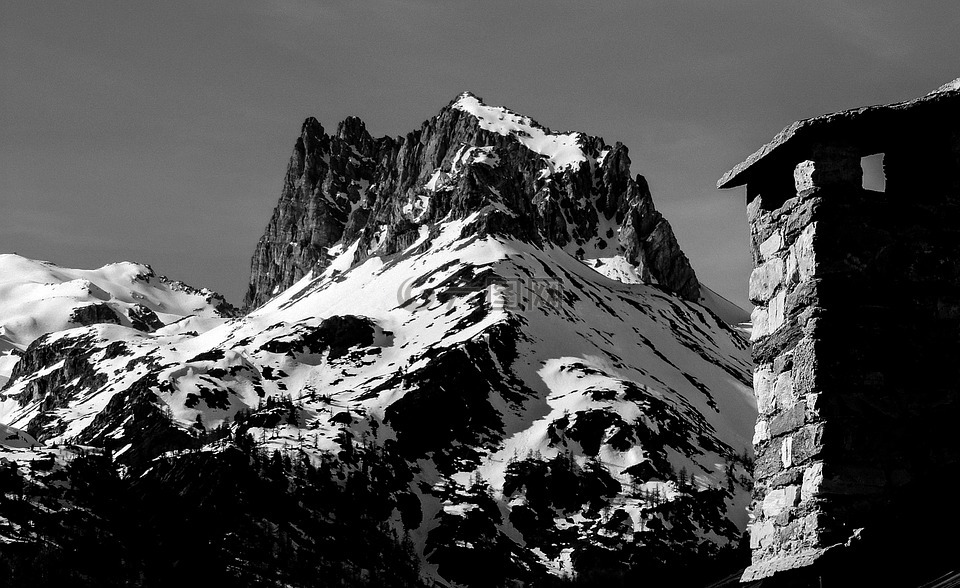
column 856, row 336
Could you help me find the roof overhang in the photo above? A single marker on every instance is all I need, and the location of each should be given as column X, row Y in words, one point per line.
column 868, row 130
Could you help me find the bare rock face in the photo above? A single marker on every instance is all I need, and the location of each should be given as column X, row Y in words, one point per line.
column 144, row 319
column 93, row 314
column 324, row 180
column 566, row 190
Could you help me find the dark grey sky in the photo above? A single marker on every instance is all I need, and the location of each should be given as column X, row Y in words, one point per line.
column 159, row 131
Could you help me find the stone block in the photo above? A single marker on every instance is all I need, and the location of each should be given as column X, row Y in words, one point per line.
column 812, row 482
column 765, row 280
column 785, row 478
column 768, row 319
column 763, row 382
column 762, row 534
column 788, row 205
column 811, row 319
column 806, row 377
column 803, row 251
column 783, row 362
column 788, row 420
column 779, row 500
column 776, row 311
column 813, row 526
column 774, row 392
column 804, row 214
column 783, row 340
column 786, row 452
column 761, row 432
column 771, row 246
column 803, row 175
column 791, row 274
column 768, row 461
column 801, row 297
column 758, row 320
column 815, row 406
column 783, row 391
column 807, row 443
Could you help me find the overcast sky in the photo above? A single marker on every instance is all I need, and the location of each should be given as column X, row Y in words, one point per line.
column 159, row 132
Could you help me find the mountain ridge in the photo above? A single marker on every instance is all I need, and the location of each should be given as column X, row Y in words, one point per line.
column 516, row 401
column 338, row 186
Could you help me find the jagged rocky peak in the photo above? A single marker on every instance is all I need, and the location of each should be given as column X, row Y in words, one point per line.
column 522, row 180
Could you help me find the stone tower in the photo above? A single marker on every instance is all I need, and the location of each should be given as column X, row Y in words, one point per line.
column 856, row 341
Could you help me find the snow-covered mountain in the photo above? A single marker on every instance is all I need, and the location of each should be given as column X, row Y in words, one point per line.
column 486, row 322
column 38, row 297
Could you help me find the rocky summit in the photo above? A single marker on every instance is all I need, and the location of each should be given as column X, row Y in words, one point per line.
column 472, row 356
column 569, row 190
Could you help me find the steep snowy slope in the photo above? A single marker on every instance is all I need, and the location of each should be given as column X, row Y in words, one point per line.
column 505, row 320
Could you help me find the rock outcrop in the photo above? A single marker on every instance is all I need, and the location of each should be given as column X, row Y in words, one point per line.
column 326, row 179
column 93, row 314
column 567, row 190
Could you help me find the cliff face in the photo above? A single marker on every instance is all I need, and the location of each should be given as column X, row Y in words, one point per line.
column 325, row 181
column 567, row 190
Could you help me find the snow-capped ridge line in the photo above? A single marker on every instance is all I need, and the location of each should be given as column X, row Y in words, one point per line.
column 40, row 297
column 563, row 150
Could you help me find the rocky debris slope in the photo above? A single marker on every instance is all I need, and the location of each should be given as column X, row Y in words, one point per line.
column 567, row 189
column 492, row 365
